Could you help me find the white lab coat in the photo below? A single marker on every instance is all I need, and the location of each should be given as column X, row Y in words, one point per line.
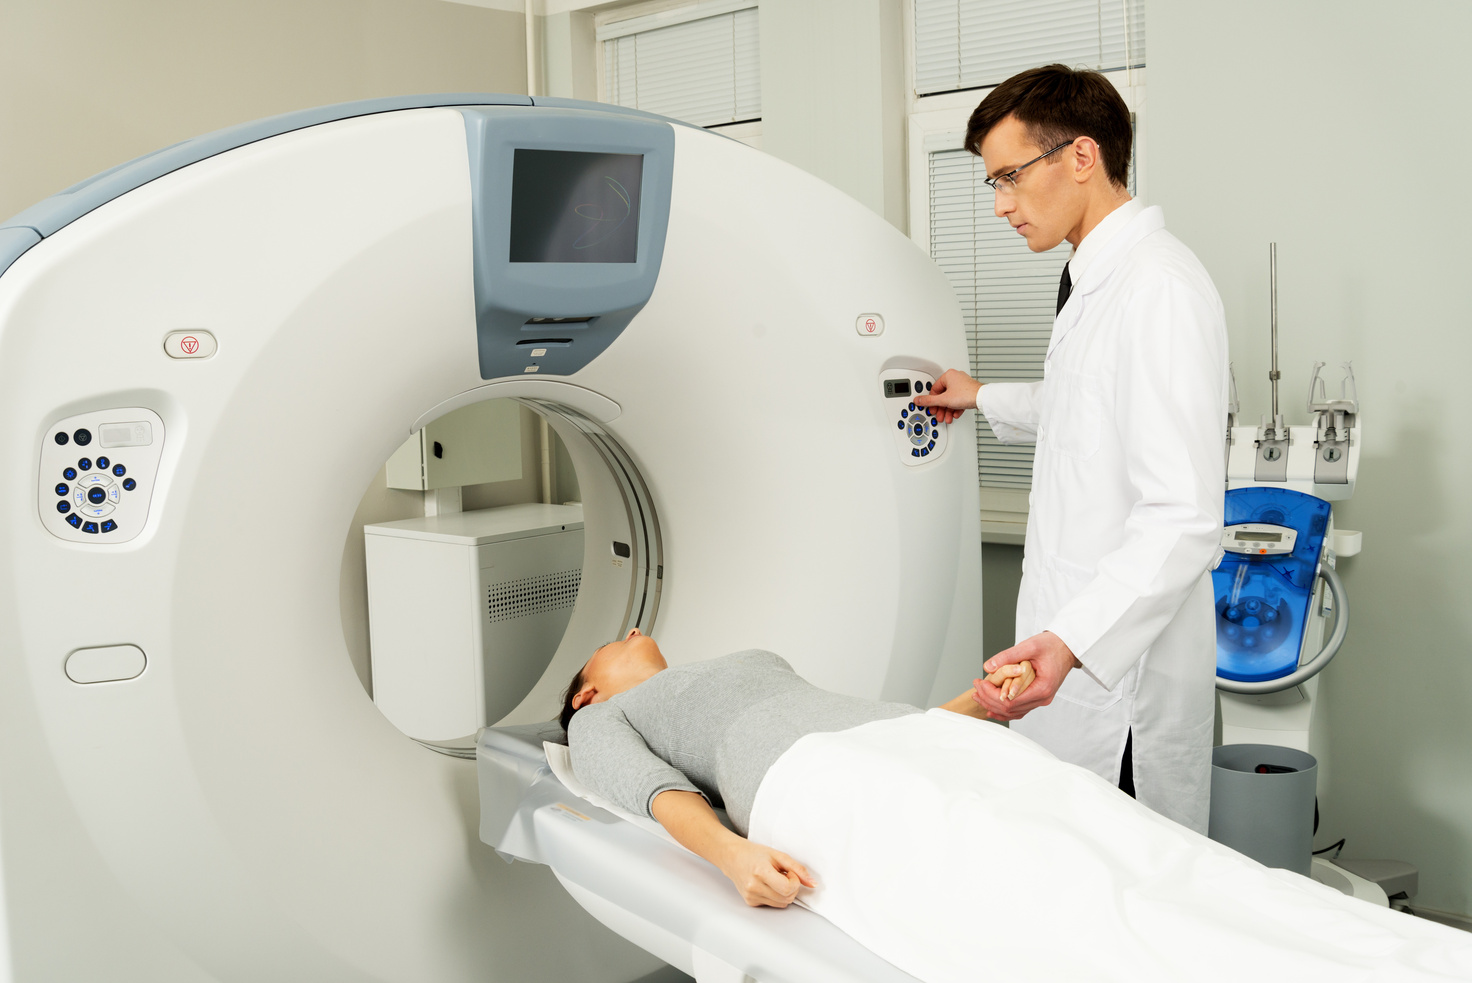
column 1125, row 514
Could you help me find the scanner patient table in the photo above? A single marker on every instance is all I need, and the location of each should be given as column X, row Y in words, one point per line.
column 649, row 890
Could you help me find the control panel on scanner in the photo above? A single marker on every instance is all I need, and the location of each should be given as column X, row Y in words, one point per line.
column 97, row 474
column 921, row 437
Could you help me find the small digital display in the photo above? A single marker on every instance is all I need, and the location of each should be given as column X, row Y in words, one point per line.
column 1250, row 536
column 896, row 387
column 574, row 207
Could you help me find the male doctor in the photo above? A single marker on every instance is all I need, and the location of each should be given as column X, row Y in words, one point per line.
column 1125, row 516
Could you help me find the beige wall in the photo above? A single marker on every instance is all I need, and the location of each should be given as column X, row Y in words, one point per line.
column 833, row 95
column 1338, row 131
column 86, row 84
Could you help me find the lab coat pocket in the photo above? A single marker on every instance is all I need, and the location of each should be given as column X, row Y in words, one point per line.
column 1075, row 419
column 1067, row 579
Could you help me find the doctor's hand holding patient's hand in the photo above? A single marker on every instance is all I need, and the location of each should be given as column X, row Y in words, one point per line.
column 1051, row 660
column 953, row 394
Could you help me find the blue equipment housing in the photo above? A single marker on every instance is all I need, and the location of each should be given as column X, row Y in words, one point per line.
column 1262, row 602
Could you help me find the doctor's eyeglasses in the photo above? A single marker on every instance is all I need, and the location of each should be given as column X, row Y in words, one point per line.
column 1007, row 183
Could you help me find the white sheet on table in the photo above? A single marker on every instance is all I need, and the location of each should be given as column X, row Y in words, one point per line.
column 960, row 851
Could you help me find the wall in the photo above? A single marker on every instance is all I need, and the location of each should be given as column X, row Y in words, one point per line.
column 1337, row 131
column 86, row 84
column 833, row 95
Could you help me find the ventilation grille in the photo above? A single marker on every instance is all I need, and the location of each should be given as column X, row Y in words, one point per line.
column 512, row 599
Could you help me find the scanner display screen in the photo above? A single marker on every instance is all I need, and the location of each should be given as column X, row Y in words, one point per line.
column 1249, row 536
column 575, row 207
column 896, row 387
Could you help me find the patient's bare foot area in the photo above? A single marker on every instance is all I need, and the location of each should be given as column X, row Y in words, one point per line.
column 1013, row 680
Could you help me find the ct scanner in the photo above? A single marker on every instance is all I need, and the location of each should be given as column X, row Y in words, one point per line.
column 206, row 355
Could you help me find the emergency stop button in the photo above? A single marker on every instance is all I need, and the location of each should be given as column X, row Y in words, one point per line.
column 870, row 325
column 189, row 344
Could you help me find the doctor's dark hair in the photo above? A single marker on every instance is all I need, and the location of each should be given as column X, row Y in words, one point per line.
column 1057, row 104
column 572, row 690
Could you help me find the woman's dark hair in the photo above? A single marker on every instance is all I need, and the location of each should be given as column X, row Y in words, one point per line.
column 1057, row 104
column 572, row 690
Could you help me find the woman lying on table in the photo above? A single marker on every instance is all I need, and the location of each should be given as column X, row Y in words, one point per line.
column 915, row 831
column 678, row 739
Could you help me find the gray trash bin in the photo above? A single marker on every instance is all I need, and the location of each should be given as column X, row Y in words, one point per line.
column 1262, row 803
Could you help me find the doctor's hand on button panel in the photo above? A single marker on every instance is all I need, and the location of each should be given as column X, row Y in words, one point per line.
column 1051, row 659
column 954, row 393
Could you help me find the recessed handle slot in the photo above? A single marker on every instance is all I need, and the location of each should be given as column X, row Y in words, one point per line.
column 546, row 342
column 560, row 320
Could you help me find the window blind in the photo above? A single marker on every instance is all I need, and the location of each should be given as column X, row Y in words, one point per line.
column 704, row 71
column 963, row 44
column 1008, row 295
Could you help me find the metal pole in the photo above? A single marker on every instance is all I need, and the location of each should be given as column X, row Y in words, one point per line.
column 1273, row 275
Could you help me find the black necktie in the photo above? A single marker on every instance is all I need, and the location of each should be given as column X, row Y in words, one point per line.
column 1065, row 287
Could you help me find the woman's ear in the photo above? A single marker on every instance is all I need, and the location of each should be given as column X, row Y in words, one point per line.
column 584, row 696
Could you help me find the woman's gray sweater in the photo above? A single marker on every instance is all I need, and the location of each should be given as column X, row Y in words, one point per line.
column 713, row 727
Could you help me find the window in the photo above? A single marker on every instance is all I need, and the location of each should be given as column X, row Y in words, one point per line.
column 964, row 44
column 696, row 62
column 1008, row 294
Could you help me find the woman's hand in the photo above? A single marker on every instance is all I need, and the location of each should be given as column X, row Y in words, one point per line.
column 764, row 876
column 1013, row 679
column 1010, row 679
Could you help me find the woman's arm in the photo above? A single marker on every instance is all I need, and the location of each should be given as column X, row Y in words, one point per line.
column 762, row 876
column 1010, row 679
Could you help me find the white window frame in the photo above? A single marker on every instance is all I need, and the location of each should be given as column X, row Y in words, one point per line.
column 938, row 122
column 650, row 15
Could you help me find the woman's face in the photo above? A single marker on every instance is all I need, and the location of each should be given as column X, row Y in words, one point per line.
column 619, row 666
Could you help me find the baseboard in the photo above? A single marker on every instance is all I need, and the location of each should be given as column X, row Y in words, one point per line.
column 1453, row 918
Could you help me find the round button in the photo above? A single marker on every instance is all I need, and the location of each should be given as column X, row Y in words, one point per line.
column 82, row 437
column 919, row 428
column 904, row 414
column 928, row 385
column 103, row 464
column 119, row 470
column 85, row 464
column 63, row 507
column 902, row 424
column 69, row 473
column 919, row 385
column 62, row 489
column 129, row 484
column 97, row 495
column 912, row 407
column 62, row 438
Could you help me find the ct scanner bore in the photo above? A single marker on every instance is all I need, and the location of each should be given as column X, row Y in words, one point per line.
column 238, row 810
